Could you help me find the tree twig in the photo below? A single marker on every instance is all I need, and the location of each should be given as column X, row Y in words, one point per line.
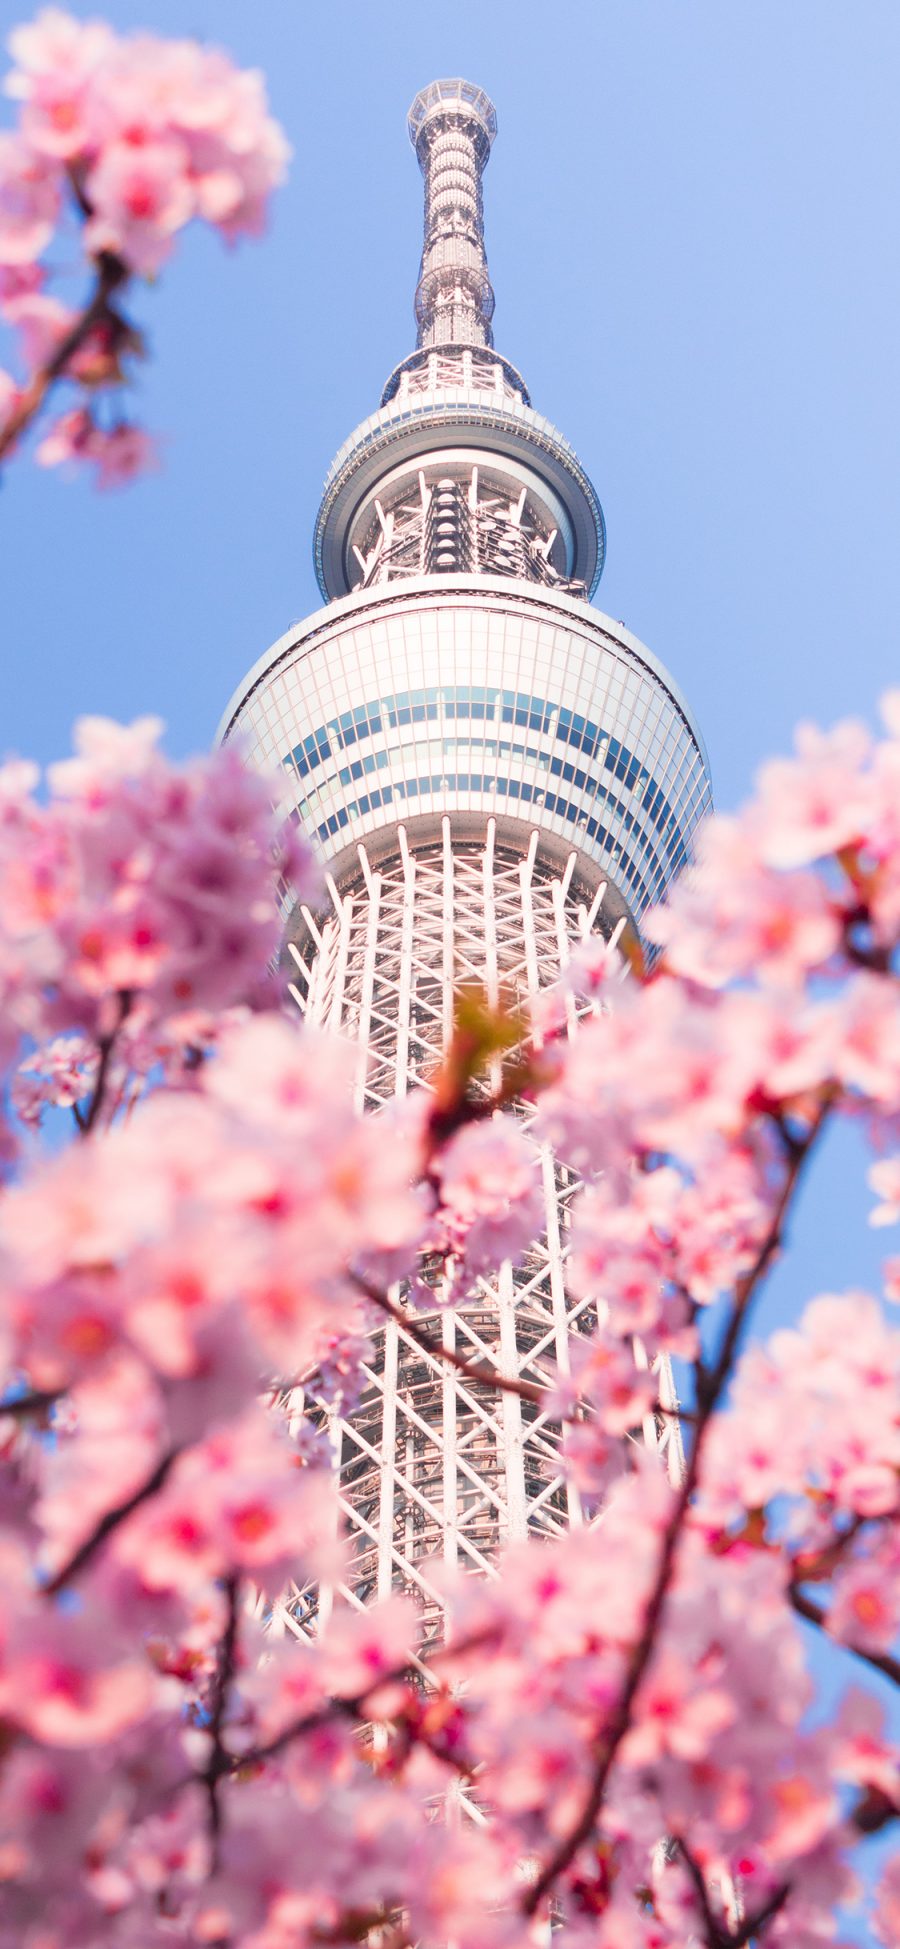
column 356, row 1707
column 753, row 1925
column 36, row 1401
column 105, row 1045
column 111, row 275
column 719, row 1935
column 219, row 1761
column 710, row 1385
column 711, row 1926
column 109, row 1522
column 881, row 1661
column 474, row 1370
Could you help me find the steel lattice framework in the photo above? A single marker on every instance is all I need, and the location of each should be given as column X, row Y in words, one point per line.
column 433, row 1464
column 496, row 771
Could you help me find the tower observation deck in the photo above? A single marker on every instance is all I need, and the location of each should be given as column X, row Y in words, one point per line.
column 492, row 768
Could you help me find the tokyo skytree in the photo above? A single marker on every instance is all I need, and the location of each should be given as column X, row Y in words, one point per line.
column 492, row 770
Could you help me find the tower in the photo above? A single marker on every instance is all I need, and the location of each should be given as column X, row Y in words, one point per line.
column 492, row 769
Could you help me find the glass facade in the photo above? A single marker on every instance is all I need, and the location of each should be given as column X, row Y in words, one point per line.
column 474, row 697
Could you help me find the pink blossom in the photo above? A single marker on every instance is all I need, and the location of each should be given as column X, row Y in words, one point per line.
column 68, row 438
column 42, row 323
column 803, row 1808
column 107, row 754
column 108, row 1438
column 56, row 57
column 121, row 453
column 605, row 1377
column 816, row 1412
column 677, row 1715
column 29, row 202
column 139, row 198
column 674, row 1236
column 732, row 915
column 887, row 1907
column 815, row 803
column 9, row 393
column 137, row 837
column 866, row 1754
column 884, row 1177
column 234, row 1503
column 61, row 1074
column 868, row 1054
column 139, row 135
column 359, row 1650
column 865, row 1607
column 65, row 1685
column 490, row 1188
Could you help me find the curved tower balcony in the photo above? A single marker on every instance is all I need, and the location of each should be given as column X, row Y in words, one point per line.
column 491, row 769
column 482, row 697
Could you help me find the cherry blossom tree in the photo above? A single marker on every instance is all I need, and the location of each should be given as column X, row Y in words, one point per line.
column 621, row 1735
column 120, row 143
column 631, row 1707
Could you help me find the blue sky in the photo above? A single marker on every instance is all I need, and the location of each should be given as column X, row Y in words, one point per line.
column 691, row 226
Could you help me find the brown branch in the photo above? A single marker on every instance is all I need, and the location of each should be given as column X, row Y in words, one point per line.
column 711, row 1926
column 111, row 1521
column 37, row 1401
column 310, row 1722
column 356, row 1708
column 719, row 1936
column 710, row 1386
column 105, row 1045
column 754, row 1924
column 881, row 1661
column 219, row 1761
column 111, row 275
column 813, row 1566
column 475, row 1371
column 873, row 1811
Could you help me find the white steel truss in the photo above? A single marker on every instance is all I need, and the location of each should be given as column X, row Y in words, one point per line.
column 433, row 1465
column 470, row 521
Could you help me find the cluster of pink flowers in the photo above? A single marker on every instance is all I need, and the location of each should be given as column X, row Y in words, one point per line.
column 138, row 892
column 191, row 1293
column 490, row 1198
column 131, row 137
column 749, row 1791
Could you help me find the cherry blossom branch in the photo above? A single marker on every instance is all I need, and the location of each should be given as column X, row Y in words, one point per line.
column 105, row 1044
column 710, row 1386
column 881, row 1661
column 475, row 1371
column 873, row 1811
column 111, row 1521
column 111, row 275
column 37, row 1401
column 718, row 1937
column 219, row 1760
column 753, row 1925
column 711, row 1927
column 811, row 1566
column 356, row 1708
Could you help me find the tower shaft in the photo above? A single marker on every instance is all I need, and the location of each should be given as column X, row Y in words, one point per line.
column 492, row 770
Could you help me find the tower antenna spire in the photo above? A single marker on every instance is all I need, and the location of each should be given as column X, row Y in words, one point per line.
column 452, row 125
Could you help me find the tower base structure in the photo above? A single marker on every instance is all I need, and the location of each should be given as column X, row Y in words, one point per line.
column 433, row 1464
